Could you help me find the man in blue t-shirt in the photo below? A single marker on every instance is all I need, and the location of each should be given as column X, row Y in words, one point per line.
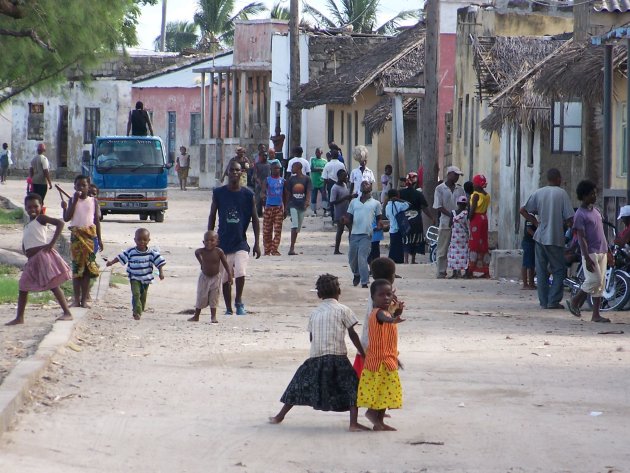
column 236, row 208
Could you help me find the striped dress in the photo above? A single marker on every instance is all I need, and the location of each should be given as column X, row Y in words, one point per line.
column 379, row 387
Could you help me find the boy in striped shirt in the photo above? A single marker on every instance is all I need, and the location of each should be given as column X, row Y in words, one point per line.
column 140, row 261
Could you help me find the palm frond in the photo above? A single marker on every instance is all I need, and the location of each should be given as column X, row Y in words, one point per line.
column 318, row 16
column 391, row 26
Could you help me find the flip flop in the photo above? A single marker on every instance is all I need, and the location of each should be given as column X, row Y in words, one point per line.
column 574, row 310
column 602, row 320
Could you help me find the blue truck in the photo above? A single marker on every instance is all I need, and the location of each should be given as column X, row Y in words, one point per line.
column 131, row 173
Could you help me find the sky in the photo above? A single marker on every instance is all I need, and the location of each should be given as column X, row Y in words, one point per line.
column 177, row 10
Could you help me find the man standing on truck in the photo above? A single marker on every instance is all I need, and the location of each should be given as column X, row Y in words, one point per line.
column 139, row 121
column 236, row 207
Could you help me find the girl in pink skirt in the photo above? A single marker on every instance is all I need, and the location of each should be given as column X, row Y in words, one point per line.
column 45, row 269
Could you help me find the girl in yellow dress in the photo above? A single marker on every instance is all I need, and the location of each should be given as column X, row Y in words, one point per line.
column 379, row 387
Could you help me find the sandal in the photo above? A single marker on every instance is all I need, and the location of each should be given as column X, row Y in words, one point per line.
column 574, row 310
column 602, row 320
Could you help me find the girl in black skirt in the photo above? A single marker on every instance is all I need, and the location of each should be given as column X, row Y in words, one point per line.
column 327, row 381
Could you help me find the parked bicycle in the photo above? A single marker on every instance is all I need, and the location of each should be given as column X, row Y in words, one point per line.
column 431, row 237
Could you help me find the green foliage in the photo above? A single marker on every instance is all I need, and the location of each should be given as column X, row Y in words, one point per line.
column 278, row 12
column 180, row 35
column 63, row 35
column 361, row 14
column 8, row 270
column 117, row 279
column 9, row 292
column 10, row 217
column 216, row 21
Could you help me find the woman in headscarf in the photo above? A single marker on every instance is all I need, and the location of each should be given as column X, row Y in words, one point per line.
column 479, row 256
column 414, row 240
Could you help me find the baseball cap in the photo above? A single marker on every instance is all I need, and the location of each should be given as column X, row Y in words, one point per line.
column 462, row 200
column 454, row 169
column 624, row 212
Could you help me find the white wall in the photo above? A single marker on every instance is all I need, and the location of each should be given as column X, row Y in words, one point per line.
column 110, row 96
column 6, row 119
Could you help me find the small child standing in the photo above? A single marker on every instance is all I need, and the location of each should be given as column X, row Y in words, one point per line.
column 379, row 388
column 45, row 269
column 458, row 249
column 210, row 257
column 85, row 238
column 386, row 182
column 529, row 256
column 140, row 261
column 326, row 381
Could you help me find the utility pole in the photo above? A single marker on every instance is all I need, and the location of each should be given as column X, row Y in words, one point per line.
column 295, row 114
column 429, row 148
column 163, row 28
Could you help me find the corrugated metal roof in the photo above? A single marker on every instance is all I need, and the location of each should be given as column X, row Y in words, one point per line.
column 621, row 6
column 184, row 77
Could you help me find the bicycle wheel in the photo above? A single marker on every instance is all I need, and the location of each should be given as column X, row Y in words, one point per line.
column 619, row 294
column 433, row 253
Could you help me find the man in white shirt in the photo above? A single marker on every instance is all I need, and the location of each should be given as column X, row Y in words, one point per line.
column 329, row 175
column 361, row 174
column 297, row 153
column 445, row 201
column 39, row 172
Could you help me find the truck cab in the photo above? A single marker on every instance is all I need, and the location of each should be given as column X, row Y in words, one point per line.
column 131, row 174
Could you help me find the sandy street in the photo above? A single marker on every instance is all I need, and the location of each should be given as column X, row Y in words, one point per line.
column 492, row 383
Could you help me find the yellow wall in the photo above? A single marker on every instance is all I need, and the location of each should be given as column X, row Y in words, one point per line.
column 381, row 147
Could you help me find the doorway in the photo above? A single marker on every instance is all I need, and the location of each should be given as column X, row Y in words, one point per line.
column 62, row 137
column 172, row 136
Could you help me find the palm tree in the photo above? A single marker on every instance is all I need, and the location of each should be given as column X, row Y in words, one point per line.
column 278, row 12
column 179, row 35
column 360, row 14
column 216, row 21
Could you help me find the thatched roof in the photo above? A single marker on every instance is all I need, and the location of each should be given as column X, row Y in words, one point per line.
column 578, row 73
column 504, row 61
column 387, row 64
column 377, row 116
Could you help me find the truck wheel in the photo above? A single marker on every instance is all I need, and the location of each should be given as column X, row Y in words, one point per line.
column 159, row 217
column 144, row 216
column 102, row 216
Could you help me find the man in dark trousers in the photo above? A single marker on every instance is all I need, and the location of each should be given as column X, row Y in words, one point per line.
column 139, row 122
column 236, row 208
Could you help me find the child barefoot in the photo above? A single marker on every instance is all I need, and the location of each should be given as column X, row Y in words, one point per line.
column 326, row 381
column 140, row 261
column 210, row 257
column 379, row 388
column 45, row 269
column 85, row 239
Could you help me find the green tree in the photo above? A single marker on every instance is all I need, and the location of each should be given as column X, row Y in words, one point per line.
column 180, row 35
column 278, row 12
column 42, row 39
column 361, row 15
column 216, row 20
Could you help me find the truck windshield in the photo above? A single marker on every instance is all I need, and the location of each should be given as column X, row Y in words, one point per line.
column 125, row 156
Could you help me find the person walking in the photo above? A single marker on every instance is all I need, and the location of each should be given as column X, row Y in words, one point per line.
column 139, row 122
column 329, row 175
column 39, row 173
column 361, row 214
column 362, row 173
column 445, row 201
column 549, row 209
column 413, row 241
column 183, row 166
column 235, row 207
column 317, row 168
column 5, row 162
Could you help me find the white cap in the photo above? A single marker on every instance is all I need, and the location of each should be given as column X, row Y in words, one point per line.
column 454, row 169
column 624, row 212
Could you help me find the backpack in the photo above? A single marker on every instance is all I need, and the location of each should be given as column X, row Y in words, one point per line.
column 404, row 227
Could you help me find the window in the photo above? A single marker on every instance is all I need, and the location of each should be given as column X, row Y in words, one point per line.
column 172, row 135
column 342, row 128
column 477, row 111
column 567, row 127
column 623, row 125
column 356, row 128
column 331, row 126
column 92, row 126
column 195, row 128
column 508, row 146
column 368, row 135
column 466, row 110
column 530, row 147
column 459, row 118
column 35, row 121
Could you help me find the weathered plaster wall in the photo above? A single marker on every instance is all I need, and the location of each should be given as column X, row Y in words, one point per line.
column 103, row 94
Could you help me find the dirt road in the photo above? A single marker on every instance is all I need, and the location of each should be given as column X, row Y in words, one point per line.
column 492, row 383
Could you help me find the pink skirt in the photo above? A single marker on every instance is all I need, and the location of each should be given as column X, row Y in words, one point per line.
column 44, row 271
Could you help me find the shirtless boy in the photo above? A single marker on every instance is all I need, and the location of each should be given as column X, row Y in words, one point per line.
column 210, row 257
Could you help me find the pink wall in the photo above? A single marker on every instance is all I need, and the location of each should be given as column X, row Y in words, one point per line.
column 447, row 86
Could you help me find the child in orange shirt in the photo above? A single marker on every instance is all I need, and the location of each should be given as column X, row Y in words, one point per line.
column 379, row 387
